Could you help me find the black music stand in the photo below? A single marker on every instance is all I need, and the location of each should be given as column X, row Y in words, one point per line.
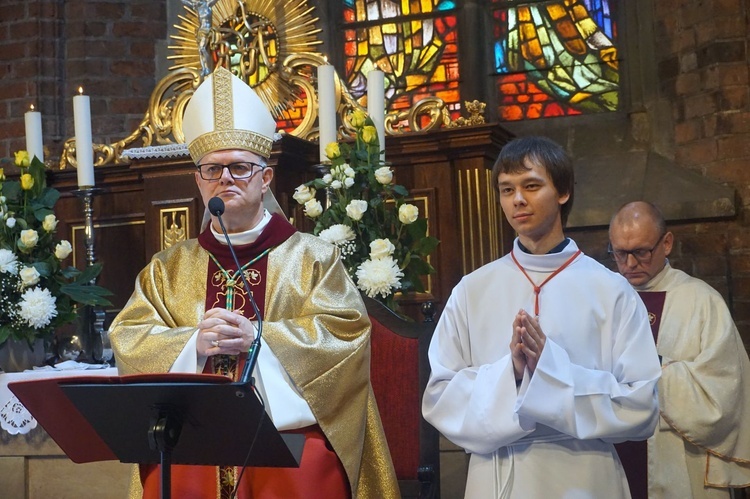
column 167, row 419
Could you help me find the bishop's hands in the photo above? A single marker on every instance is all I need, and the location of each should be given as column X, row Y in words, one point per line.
column 526, row 344
column 224, row 332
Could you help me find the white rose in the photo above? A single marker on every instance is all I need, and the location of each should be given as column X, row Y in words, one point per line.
column 381, row 248
column 336, row 184
column 408, row 213
column 327, row 178
column 63, row 249
column 3, row 199
column 29, row 276
column 28, row 239
column 348, row 170
column 349, row 182
column 11, row 222
column 313, row 208
column 50, row 223
column 384, row 175
column 356, row 209
column 303, row 194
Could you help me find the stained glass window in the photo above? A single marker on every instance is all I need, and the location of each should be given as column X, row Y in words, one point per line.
column 555, row 58
column 414, row 42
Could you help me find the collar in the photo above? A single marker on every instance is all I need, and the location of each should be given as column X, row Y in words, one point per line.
column 548, row 262
column 246, row 237
column 656, row 281
column 556, row 249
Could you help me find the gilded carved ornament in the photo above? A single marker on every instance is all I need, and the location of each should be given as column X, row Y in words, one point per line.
column 272, row 48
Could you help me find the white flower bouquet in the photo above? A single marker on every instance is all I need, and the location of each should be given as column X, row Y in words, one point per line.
column 358, row 207
column 38, row 293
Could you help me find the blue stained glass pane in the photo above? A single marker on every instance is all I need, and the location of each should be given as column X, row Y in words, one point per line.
column 500, row 57
column 599, row 12
column 349, row 3
column 446, row 5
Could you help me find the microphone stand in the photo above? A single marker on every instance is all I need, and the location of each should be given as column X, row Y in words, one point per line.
column 254, row 350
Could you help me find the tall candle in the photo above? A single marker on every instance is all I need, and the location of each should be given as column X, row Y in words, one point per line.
column 376, row 105
column 84, row 145
column 34, row 142
column 326, row 108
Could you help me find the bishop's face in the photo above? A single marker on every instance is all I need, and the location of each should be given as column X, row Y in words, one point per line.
column 243, row 198
column 532, row 206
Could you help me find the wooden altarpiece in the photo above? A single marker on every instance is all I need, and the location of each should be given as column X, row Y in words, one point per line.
column 151, row 203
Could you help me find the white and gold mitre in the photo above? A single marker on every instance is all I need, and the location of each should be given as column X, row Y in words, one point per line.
column 225, row 113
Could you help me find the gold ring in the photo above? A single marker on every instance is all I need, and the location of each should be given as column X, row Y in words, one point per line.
column 215, row 343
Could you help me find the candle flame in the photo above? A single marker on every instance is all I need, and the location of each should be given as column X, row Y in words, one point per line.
column 31, row 108
column 80, row 90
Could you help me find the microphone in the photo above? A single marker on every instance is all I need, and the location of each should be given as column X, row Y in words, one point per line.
column 216, row 207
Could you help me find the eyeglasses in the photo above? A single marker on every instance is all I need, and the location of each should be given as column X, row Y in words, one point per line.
column 641, row 255
column 239, row 171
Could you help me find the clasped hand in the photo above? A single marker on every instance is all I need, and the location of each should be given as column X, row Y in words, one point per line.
column 526, row 344
column 224, row 332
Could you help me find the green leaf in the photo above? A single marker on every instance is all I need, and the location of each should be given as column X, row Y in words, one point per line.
column 37, row 171
column 89, row 273
column 12, row 190
column 418, row 229
column 400, row 190
column 419, row 266
column 4, row 334
column 426, row 245
column 49, row 197
column 43, row 268
column 87, row 294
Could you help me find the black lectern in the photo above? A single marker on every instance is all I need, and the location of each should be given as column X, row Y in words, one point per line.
column 159, row 418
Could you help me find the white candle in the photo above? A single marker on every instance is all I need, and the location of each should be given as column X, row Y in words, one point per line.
column 34, row 142
column 376, row 105
column 84, row 145
column 326, row 108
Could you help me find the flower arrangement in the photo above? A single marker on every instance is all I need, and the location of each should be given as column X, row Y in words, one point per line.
column 38, row 293
column 383, row 241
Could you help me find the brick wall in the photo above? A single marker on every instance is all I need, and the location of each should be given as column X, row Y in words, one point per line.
column 49, row 48
column 702, row 49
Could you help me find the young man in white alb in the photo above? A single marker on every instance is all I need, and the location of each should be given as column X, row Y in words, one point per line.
column 542, row 359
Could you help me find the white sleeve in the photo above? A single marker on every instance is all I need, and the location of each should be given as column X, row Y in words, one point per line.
column 188, row 361
column 472, row 406
column 613, row 405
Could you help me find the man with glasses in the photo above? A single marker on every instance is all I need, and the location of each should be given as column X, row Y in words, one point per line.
column 191, row 312
column 702, row 443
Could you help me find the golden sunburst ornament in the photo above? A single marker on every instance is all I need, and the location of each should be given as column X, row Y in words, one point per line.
column 251, row 38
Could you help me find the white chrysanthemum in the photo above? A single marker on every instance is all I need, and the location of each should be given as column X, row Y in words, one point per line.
column 379, row 277
column 37, row 307
column 337, row 234
column 8, row 262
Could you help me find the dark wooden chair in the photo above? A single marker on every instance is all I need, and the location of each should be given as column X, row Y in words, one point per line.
column 399, row 370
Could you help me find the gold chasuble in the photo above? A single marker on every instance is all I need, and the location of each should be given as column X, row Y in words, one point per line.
column 314, row 321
